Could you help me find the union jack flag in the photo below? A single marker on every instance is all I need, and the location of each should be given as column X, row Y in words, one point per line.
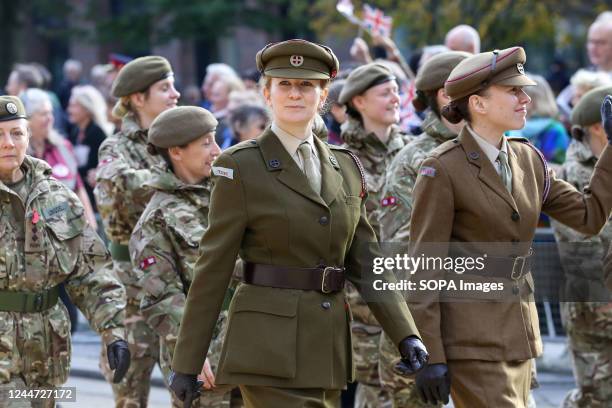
column 376, row 21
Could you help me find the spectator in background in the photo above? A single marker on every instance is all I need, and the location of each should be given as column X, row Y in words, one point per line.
column 219, row 99
column 542, row 127
column 336, row 115
column 22, row 77
column 72, row 72
column 583, row 81
column 248, row 121
column 87, row 111
column 213, row 73
column 59, row 115
column 250, row 78
column 191, row 96
column 462, row 38
column 48, row 145
column 558, row 77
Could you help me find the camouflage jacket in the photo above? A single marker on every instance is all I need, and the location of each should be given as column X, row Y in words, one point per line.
column 581, row 256
column 44, row 242
column 125, row 167
column 396, row 195
column 164, row 248
column 375, row 157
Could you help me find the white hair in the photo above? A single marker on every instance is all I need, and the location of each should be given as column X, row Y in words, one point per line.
column 33, row 99
column 589, row 79
column 222, row 70
column 93, row 101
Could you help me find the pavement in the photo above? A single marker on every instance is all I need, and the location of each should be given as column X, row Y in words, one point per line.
column 554, row 375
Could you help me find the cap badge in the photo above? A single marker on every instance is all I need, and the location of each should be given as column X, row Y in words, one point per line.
column 296, row 60
column 11, row 108
column 520, row 68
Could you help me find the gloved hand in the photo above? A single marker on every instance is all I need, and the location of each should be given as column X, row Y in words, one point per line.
column 118, row 355
column 433, row 384
column 186, row 387
column 606, row 116
column 414, row 355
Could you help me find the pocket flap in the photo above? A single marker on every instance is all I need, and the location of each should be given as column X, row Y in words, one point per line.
column 274, row 301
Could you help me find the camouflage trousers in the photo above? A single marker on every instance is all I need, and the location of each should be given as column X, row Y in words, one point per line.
column 366, row 334
column 133, row 390
column 16, row 383
column 589, row 329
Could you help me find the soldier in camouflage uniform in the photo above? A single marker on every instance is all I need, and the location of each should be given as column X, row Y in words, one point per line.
column 588, row 323
column 372, row 102
column 396, row 198
column 45, row 241
column 145, row 87
column 165, row 242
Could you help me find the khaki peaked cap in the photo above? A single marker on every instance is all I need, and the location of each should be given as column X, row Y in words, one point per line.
column 299, row 59
column 11, row 108
column 436, row 70
column 363, row 78
column 499, row 67
column 140, row 73
column 180, row 126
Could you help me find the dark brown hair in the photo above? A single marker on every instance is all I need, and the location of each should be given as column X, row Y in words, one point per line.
column 458, row 110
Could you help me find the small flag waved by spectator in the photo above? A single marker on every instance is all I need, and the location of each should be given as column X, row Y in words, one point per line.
column 376, row 21
column 345, row 7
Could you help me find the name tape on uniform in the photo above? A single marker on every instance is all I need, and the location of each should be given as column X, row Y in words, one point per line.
column 428, row 171
column 223, row 172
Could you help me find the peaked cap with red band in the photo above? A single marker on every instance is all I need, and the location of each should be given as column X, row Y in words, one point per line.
column 499, row 67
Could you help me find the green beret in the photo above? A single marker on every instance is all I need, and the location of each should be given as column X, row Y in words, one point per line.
column 181, row 125
column 499, row 67
column 363, row 78
column 436, row 70
column 587, row 111
column 11, row 108
column 137, row 75
column 297, row 59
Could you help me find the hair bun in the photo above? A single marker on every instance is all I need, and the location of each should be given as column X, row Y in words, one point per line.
column 152, row 149
column 452, row 113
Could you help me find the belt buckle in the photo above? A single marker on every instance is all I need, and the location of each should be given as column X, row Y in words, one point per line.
column 38, row 302
column 514, row 276
column 326, row 272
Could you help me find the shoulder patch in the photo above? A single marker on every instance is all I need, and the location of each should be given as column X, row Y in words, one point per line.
column 427, row 171
column 223, row 172
column 145, row 263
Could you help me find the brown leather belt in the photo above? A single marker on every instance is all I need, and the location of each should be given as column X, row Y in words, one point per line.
column 513, row 268
column 325, row 279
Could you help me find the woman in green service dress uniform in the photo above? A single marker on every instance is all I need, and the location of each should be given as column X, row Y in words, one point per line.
column 485, row 188
column 293, row 207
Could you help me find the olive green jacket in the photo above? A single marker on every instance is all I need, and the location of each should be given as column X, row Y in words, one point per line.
column 263, row 208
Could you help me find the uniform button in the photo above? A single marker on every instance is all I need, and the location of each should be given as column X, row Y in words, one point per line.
column 515, row 216
column 324, row 220
column 326, row 305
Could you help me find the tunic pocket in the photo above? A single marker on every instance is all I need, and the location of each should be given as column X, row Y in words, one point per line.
column 262, row 333
column 59, row 353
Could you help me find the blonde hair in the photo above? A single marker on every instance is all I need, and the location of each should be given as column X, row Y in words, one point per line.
column 589, row 79
column 92, row 100
column 543, row 102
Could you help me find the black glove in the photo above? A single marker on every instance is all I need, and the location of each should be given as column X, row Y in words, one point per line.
column 433, row 384
column 186, row 387
column 606, row 116
column 414, row 355
column 118, row 355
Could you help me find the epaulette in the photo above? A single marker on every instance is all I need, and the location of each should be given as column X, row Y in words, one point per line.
column 241, row 146
column 542, row 159
column 445, row 147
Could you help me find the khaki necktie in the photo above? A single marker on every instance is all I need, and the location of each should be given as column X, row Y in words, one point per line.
column 505, row 172
column 312, row 176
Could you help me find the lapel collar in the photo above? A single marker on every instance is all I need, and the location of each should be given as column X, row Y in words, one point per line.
column 331, row 180
column 487, row 172
column 277, row 159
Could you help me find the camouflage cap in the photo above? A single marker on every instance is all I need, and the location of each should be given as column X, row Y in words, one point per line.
column 11, row 108
column 140, row 73
column 499, row 67
column 587, row 111
column 436, row 70
column 298, row 59
column 363, row 78
column 181, row 125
